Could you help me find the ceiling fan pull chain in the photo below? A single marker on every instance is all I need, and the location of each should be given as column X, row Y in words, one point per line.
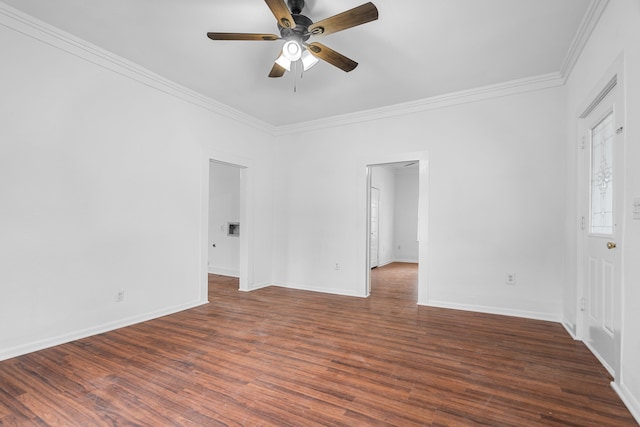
column 295, row 77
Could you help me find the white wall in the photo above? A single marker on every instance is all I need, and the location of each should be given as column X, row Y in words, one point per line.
column 224, row 207
column 617, row 33
column 398, row 213
column 383, row 179
column 406, row 216
column 101, row 189
column 495, row 196
column 105, row 187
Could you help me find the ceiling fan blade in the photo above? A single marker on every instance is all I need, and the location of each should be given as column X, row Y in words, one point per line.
column 277, row 71
column 342, row 21
column 242, row 36
column 331, row 56
column 281, row 12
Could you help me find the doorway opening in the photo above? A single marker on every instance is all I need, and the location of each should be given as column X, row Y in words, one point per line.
column 393, row 224
column 226, row 221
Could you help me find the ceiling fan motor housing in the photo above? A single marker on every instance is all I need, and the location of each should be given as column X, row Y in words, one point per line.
column 296, row 6
column 301, row 31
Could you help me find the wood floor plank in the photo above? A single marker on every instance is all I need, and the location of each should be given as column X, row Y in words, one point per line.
column 282, row 357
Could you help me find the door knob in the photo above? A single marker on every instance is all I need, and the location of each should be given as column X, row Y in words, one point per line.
column 611, row 245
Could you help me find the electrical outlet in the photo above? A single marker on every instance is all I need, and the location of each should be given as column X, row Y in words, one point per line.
column 511, row 279
column 120, row 296
column 337, row 266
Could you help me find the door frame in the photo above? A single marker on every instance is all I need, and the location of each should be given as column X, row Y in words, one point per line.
column 364, row 206
column 613, row 79
column 247, row 189
column 371, row 188
column 236, row 181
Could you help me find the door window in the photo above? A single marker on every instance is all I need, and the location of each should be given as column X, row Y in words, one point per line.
column 601, row 206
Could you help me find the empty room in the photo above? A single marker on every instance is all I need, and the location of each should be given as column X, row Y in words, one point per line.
column 312, row 212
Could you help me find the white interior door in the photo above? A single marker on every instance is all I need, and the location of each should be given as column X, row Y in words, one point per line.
column 373, row 241
column 604, row 166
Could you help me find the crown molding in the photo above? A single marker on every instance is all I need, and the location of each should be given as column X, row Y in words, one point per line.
column 591, row 17
column 513, row 87
column 48, row 34
column 54, row 37
column 589, row 21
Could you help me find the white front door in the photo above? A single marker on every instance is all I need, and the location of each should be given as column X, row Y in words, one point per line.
column 604, row 167
column 373, row 241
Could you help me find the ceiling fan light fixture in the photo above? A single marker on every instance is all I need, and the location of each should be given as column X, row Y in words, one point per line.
column 308, row 60
column 284, row 62
column 292, row 50
column 295, row 29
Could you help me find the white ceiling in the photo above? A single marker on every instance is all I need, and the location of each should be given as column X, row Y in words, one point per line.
column 416, row 50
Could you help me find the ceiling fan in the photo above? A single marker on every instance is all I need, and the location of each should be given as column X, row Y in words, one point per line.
column 296, row 29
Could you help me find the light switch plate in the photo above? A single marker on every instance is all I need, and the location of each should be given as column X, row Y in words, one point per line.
column 636, row 208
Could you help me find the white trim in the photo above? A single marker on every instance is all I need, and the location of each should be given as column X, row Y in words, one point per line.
column 614, row 77
column 54, row 37
column 600, row 97
column 84, row 333
column 221, row 271
column 382, row 264
column 628, row 399
column 456, row 98
column 247, row 188
column 363, row 168
column 570, row 329
column 589, row 21
column 256, row 287
column 48, row 34
column 323, row 290
column 536, row 315
column 603, row 362
column 406, row 261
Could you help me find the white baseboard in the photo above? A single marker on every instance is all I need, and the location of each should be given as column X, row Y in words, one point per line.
column 407, row 260
column 383, row 263
column 550, row 317
column 628, row 399
column 603, row 362
column 571, row 329
column 84, row 333
column 257, row 286
column 316, row 289
column 224, row 271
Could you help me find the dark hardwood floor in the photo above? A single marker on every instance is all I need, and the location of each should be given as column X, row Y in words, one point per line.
column 281, row 357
